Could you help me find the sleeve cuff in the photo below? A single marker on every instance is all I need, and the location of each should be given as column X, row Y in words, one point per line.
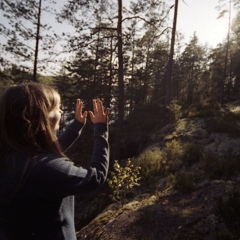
column 75, row 126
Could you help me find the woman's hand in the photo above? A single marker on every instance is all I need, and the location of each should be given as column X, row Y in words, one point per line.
column 81, row 117
column 98, row 115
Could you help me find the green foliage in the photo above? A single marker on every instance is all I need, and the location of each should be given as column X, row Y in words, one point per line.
column 174, row 154
column 20, row 21
column 46, row 79
column 179, row 158
column 218, row 118
column 227, row 123
column 204, row 110
column 192, row 153
column 182, row 181
column 13, row 74
column 176, row 109
column 220, row 167
column 123, row 179
column 151, row 163
column 173, row 162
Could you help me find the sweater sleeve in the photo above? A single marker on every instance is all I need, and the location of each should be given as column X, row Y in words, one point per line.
column 70, row 135
column 54, row 178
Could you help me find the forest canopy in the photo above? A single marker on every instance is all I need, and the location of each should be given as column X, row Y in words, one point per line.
column 127, row 55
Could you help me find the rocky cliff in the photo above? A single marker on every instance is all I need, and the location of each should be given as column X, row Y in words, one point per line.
column 210, row 209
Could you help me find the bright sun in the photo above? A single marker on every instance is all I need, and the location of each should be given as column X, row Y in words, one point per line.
column 200, row 16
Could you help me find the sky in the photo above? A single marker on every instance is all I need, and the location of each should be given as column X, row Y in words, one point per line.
column 200, row 16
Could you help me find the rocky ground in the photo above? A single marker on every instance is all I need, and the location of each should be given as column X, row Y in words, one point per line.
column 162, row 213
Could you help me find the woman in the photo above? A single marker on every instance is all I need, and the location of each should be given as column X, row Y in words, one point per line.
column 37, row 180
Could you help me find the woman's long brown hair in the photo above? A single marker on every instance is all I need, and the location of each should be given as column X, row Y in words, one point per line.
column 24, row 122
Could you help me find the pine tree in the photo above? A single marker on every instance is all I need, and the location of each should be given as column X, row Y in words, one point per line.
column 23, row 30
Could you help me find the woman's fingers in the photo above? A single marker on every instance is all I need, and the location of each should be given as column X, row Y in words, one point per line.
column 98, row 114
column 91, row 116
column 95, row 106
column 100, row 106
column 77, row 108
column 79, row 115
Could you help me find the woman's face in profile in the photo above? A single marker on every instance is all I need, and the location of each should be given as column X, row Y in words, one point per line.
column 55, row 116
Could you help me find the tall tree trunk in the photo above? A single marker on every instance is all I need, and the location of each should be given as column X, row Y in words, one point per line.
column 190, row 93
column 109, row 97
column 95, row 67
column 226, row 60
column 37, row 41
column 132, row 79
column 170, row 61
column 118, row 138
column 145, row 84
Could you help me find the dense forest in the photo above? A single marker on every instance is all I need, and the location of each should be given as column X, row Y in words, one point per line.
column 128, row 55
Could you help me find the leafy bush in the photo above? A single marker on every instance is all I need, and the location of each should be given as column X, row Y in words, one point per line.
column 180, row 158
column 151, row 163
column 220, row 168
column 123, row 178
column 174, row 154
column 176, row 109
column 226, row 123
column 155, row 163
column 204, row 110
column 182, row 181
column 192, row 153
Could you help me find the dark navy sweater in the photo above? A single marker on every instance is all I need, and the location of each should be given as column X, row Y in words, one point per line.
column 43, row 207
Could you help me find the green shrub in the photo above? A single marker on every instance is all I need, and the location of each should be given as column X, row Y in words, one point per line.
column 157, row 163
column 151, row 163
column 182, row 181
column 222, row 125
column 192, row 153
column 225, row 122
column 176, row 109
column 204, row 110
column 220, row 167
column 174, row 154
column 123, row 178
